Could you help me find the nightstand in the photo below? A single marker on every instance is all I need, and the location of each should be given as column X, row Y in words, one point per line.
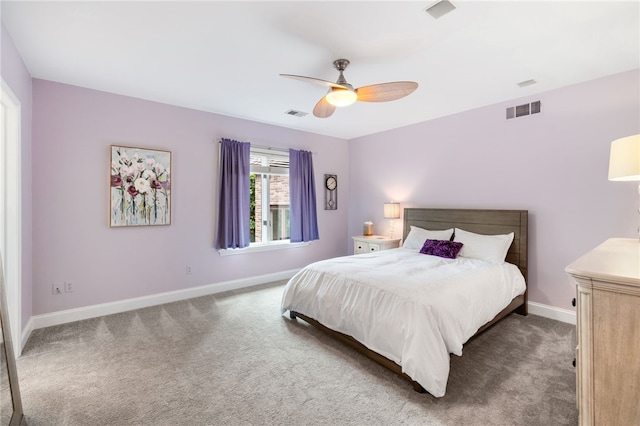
column 362, row 244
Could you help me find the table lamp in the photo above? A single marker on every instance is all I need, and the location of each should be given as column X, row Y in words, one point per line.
column 392, row 212
column 624, row 162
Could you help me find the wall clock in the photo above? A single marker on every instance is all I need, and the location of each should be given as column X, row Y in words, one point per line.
column 330, row 192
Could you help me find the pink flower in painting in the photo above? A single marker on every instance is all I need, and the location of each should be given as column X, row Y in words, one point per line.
column 116, row 180
column 132, row 191
column 155, row 184
column 148, row 174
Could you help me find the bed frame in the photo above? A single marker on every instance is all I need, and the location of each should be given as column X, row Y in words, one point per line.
column 489, row 222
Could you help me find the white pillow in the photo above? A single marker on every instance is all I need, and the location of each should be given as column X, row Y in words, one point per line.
column 493, row 248
column 417, row 236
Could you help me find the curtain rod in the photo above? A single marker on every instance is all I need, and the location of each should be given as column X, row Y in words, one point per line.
column 270, row 148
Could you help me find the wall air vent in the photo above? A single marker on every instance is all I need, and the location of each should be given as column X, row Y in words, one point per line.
column 535, row 107
column 296, row 113
column 524, row 109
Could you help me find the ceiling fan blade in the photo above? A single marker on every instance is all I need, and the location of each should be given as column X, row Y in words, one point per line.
column 385, row 92
column 323, row 109
column 316, row 81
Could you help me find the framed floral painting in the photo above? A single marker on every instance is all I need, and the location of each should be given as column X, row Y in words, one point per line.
column 140, row 187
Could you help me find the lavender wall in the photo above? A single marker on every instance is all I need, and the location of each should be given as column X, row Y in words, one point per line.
column 15, row 75
column 553, row 164
column 73, row 129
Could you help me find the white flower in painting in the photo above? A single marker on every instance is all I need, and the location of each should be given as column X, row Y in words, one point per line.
column 139, row 166
column 142, row 185
column 126, row 171
column 158, row 168
column 115, row 167
column 148, row 174
column 136, row 157
column 150, row 162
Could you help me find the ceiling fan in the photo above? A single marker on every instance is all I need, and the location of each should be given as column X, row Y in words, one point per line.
column 342, row 93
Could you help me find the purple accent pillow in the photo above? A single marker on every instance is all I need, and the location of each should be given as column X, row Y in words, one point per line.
column 441, row 248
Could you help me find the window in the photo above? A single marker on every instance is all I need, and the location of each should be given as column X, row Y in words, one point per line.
column 269, row 193
column 257, row 211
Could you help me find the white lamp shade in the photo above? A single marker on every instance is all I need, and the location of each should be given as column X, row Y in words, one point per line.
column 341, row 97
column 392, row 210
column 624, row 160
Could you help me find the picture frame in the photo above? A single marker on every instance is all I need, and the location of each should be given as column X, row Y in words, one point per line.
column 140, row 187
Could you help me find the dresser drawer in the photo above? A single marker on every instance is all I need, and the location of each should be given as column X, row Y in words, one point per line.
column 372, row 244
column 360, row 247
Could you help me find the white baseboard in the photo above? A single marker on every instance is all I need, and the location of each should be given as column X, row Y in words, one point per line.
column 26, row 333
column 552, row 312
column 86, row 312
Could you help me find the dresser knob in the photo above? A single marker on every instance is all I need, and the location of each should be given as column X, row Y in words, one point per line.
column 573, row 302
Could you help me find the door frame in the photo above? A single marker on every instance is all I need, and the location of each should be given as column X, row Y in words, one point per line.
column 12, row 210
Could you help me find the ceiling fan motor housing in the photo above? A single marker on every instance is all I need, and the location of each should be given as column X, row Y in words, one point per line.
column 341, row 65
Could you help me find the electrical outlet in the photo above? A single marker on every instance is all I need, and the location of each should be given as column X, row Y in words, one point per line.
column 68, row 287
column 188, row 270
column 56, row 288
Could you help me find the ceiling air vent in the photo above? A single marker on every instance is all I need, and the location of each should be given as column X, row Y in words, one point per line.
column 527, row 83
column 296, row 113
column 524, row 109
column 439, row 9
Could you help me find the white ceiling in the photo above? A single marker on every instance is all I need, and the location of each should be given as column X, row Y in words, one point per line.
column 225, row 57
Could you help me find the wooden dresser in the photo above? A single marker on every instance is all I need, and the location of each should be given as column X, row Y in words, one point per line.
column 608, row 333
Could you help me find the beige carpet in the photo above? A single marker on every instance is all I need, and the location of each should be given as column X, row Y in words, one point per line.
column 232, row 359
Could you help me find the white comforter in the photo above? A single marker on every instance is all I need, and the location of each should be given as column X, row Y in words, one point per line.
column 414, row 309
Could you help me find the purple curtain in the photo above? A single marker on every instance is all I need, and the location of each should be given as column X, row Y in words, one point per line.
column 233, row 214
column 302, row 194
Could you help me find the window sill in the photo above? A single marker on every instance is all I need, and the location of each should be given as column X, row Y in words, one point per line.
column 261, row 247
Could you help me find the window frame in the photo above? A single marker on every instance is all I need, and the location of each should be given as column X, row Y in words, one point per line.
column 273, row 164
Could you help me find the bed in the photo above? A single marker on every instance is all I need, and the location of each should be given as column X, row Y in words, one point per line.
column 409, row 311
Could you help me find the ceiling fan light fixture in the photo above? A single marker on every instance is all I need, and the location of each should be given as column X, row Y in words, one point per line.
column 341, row 97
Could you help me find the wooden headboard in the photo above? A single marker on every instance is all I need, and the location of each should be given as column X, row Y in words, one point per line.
column 488, row 222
